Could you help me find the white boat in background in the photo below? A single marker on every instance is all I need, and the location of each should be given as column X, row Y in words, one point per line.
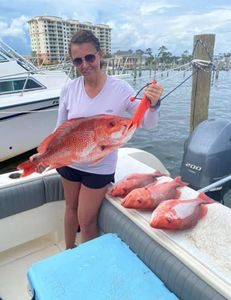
column 192, row 264
column 29, row 99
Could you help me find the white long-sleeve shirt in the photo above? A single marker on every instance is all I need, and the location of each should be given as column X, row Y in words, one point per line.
column 113, row 99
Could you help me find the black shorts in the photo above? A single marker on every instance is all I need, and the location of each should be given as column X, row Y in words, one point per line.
column 91, row 180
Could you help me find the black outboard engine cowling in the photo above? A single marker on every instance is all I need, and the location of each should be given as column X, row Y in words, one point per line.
column 207, row 156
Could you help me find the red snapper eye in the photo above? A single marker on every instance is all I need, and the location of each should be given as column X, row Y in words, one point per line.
column 169, row 220
column 111, row 123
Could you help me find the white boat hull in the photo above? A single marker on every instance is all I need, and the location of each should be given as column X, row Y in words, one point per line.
column 25, row 132
column 29, row 99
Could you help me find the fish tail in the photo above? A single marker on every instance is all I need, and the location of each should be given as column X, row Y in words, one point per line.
column 158, row 173
column 179, row 181
column 141, row 109
column 28, row 168
column 205, row 198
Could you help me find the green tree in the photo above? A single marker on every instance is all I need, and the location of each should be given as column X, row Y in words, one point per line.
column 185, row 57
column 150, row 59
column 164, row 56
column 139, row 52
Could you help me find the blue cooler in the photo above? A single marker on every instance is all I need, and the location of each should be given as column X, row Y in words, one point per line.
column 101, row 269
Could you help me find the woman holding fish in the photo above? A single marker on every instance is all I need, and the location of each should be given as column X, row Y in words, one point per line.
column 93, row 93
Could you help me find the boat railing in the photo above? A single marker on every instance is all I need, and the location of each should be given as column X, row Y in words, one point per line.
column 25, row 83
column 10, row 53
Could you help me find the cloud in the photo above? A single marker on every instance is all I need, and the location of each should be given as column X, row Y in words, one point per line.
column 16, row 28
column 149, row 8
column 218, row 22
column 135, row 24
column 176, row 32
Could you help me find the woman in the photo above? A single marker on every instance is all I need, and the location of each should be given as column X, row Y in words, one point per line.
column 91, row 94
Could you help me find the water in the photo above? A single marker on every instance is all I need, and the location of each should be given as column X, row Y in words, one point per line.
column 166, row 141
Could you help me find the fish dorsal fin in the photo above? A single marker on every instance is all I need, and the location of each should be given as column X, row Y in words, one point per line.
column 45, row 143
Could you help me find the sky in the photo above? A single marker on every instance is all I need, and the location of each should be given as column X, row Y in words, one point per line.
column 135, row 24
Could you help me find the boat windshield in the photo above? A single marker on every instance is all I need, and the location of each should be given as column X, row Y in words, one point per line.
column 17, row 85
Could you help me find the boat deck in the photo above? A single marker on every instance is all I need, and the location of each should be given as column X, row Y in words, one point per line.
column 14, row 264
column 195, row 261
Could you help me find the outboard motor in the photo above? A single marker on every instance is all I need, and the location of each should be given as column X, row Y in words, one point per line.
column 207, row 157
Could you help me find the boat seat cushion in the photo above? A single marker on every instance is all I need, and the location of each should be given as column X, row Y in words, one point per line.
column 30, row 194
column 53, row 188
column 103, row 268
column 21, row 197
column 178, row 278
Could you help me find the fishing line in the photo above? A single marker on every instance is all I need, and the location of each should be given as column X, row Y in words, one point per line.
column 196, row 63
column 135, row 97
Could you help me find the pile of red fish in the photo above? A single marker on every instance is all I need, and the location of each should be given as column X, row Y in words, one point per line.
column 143, row 191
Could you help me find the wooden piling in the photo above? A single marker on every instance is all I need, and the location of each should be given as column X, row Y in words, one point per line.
column 201, row 82
column 140, row 65
column 113, row 66
column 134, row 69
column 219, row 66
column 150, row 69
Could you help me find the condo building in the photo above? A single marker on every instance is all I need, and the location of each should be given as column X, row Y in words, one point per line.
column 50, row 37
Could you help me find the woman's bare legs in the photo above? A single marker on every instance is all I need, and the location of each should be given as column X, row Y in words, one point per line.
column 88, row 208
column 71, row 194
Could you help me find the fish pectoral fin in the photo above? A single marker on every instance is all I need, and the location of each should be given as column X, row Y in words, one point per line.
column 109, row 148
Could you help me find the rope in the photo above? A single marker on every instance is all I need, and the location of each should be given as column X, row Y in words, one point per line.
column 161, row 72
column 205, row 48
column 204, row 65
column 174, row 75
column 168, row 92
column 177, row 86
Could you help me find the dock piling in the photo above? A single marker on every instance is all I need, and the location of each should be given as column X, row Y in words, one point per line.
column 201, row 82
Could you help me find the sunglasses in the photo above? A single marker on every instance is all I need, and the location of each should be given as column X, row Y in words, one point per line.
column 89, row 58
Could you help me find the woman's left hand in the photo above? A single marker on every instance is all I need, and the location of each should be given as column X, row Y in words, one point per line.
column 154, row 92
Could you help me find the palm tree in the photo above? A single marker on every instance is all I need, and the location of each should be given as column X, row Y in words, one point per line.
column 164, row 56
column 150, row 59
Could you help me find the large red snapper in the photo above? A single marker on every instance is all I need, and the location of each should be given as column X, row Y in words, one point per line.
column 180, row 214
column 150, row 196
column 83, row 140
column 133, row 181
